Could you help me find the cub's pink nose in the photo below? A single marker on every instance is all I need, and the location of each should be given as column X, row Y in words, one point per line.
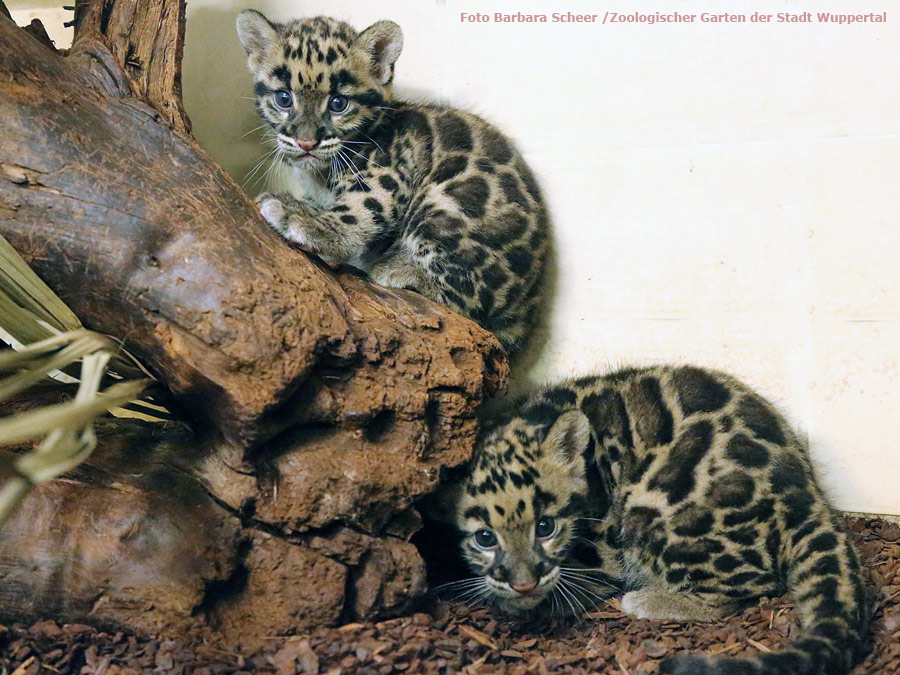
column 524, row 588
column 306, row 145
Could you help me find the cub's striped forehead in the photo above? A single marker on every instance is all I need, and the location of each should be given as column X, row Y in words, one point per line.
column 317, row 56
column 513, row 481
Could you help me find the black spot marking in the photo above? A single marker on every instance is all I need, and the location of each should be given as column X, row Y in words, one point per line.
column 340, row 79
column 541, row 499
column 798, row 507
column 823, row 542
column 510, row 187
column 505, row 227
column 494, row 276
column 608, row 415
column 450, row 168
column 575, row 505
column 759, row 418
column 350, row 220
column 760, row 512
column 699, row 391
column 560, row 396
column 805, row 530
column 747, row 452
column 282, row 74
column 388, row 183
column 478, row 513
column 454, row 133
column 753, row 558
column 727, row 563
column 614, row 453
column 471, row 194
column 370, row 99
column 692, row 521
column 331, row 56
column 676, row 477
column 652, row 419
column 746, row 536
column 519, row 259
column 635, row 469
column 741, row 579
column 527, row 177
column 789, row 472
column 495, row 146
column 541, row 413
column 773, row 545
column 691, row 552
column 734, row 489
column 642, row 528
column 826, row 565
column 373, row 205
column 676, row 575
column 485, row 165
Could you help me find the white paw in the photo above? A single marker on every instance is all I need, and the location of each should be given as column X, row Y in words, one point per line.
column 272, row 209
column 634, row 604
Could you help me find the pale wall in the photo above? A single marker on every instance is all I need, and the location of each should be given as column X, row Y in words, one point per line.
column 722, row 194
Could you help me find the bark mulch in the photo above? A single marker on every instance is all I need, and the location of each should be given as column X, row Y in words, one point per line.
column 454, row 638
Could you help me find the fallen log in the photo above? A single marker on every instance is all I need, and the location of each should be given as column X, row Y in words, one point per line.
column 320, row 407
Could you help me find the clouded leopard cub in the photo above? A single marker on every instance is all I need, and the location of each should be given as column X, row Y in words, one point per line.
column 418, row 196
column 677, row 485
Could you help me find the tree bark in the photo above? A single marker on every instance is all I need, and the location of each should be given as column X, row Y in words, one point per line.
column 322, row 406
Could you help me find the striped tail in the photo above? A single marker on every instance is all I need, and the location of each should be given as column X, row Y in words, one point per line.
column 824, row 577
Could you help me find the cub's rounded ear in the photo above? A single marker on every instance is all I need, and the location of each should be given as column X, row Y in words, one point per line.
column 257, row 34
column 382, row 42
column 570, row 434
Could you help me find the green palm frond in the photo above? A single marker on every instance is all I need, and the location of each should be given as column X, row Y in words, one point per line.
column 47, row 343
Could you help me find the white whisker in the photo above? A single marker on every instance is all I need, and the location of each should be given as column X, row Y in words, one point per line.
column 376, row 144
column 261, row 126
column 359, row 179
column 258, row 166
column 566, row 589
column 581, row 586
column 365, row 158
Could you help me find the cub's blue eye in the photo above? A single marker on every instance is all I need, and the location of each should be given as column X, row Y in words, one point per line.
column 485, row 538
column 283, row 99
column 545, row 527
column 338, row 104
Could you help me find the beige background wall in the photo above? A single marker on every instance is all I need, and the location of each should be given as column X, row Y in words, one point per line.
column 725, row 194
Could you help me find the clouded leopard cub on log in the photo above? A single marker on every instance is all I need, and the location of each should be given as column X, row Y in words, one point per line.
column 422, row 197
column 677, row 485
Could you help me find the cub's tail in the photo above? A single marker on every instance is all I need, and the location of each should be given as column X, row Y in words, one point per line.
column 823, row 574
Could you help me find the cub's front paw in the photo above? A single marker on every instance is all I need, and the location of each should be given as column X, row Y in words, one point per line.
column 272, row 209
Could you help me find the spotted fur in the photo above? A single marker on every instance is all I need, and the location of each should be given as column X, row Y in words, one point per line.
column 676, row 485
column 422, row 197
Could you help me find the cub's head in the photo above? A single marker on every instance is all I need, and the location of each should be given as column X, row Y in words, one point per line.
column 519, row 505
column 318, row 82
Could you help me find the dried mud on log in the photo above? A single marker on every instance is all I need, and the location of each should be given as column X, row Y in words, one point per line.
column 452, row 638
column 321, row 407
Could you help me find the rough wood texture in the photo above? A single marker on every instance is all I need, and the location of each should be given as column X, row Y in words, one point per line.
column 322, row 406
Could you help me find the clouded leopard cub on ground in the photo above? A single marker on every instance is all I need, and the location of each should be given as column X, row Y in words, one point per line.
column 418, row 196
column 677, row 485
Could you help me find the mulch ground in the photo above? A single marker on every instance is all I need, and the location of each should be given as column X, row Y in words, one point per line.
column 453, row 638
